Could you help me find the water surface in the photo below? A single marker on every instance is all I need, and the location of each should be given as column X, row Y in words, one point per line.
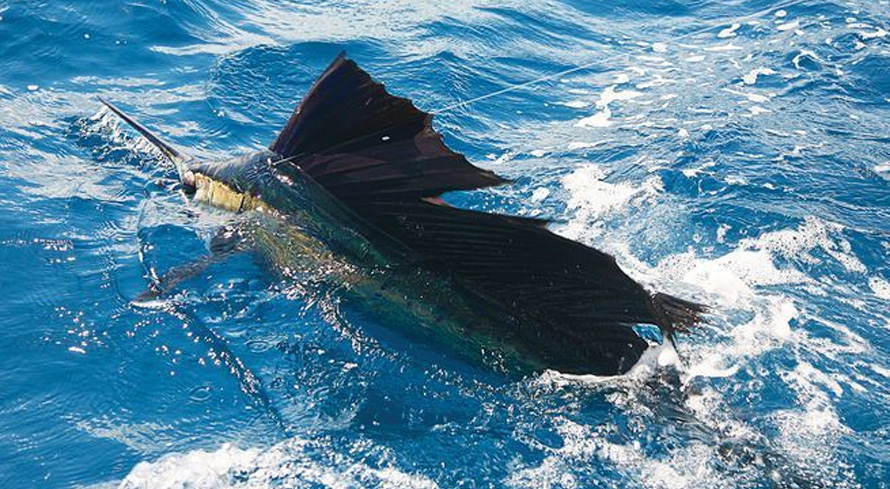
column 732, row 153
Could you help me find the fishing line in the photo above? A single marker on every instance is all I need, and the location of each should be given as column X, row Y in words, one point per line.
column 591, row 64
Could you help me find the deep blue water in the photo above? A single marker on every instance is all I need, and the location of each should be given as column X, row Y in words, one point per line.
column 728, row 152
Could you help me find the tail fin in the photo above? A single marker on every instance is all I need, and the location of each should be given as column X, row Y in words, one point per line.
column 676, row 315
column 177, row 157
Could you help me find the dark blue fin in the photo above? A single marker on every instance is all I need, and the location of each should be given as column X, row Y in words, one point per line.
column 572, row 302
column 361, row 143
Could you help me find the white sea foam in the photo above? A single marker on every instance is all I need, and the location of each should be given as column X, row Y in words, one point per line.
column 540, row 194
column 729, row 31
column 576, row 104
column 751, row 77
column 591, row 197
column 576, row 145
column 805, row 54
column 293, row 463
column 880, row 287
column 657, row 80
column 686, row 466
column 610, row 95
column 876, row 34
column 732, row 278
column 724, row 48
column 600, row 119
column 197, row 469
column 757, row 110
column 788, row 26
column 806, row 432
column 745, row 287
column 753, row 97
column 603, row 117
column 652, row 361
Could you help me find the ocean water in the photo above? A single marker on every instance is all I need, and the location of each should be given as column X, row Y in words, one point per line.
column 731, row 152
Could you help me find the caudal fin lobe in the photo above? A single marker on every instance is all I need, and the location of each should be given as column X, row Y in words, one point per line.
column 676, row 315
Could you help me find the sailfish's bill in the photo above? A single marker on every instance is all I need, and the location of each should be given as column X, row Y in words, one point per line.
column 177, row 157
column 350, row 191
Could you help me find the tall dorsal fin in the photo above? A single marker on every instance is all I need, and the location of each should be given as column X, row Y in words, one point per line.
column 361, row 143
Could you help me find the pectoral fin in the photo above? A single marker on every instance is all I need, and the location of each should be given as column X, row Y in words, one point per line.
column 228, row 242
column 175, row 276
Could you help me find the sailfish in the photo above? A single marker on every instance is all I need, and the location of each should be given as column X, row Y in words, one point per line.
column 350, row 194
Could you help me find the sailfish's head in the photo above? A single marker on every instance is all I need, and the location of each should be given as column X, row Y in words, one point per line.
column 228, row 184
column 251, row 181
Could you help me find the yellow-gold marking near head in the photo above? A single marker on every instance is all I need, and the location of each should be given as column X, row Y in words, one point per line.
column 218, row 194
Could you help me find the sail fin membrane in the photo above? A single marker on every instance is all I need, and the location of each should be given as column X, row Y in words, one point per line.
column 361, row 143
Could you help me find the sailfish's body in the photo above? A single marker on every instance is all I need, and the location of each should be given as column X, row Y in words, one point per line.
column 348, row 194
